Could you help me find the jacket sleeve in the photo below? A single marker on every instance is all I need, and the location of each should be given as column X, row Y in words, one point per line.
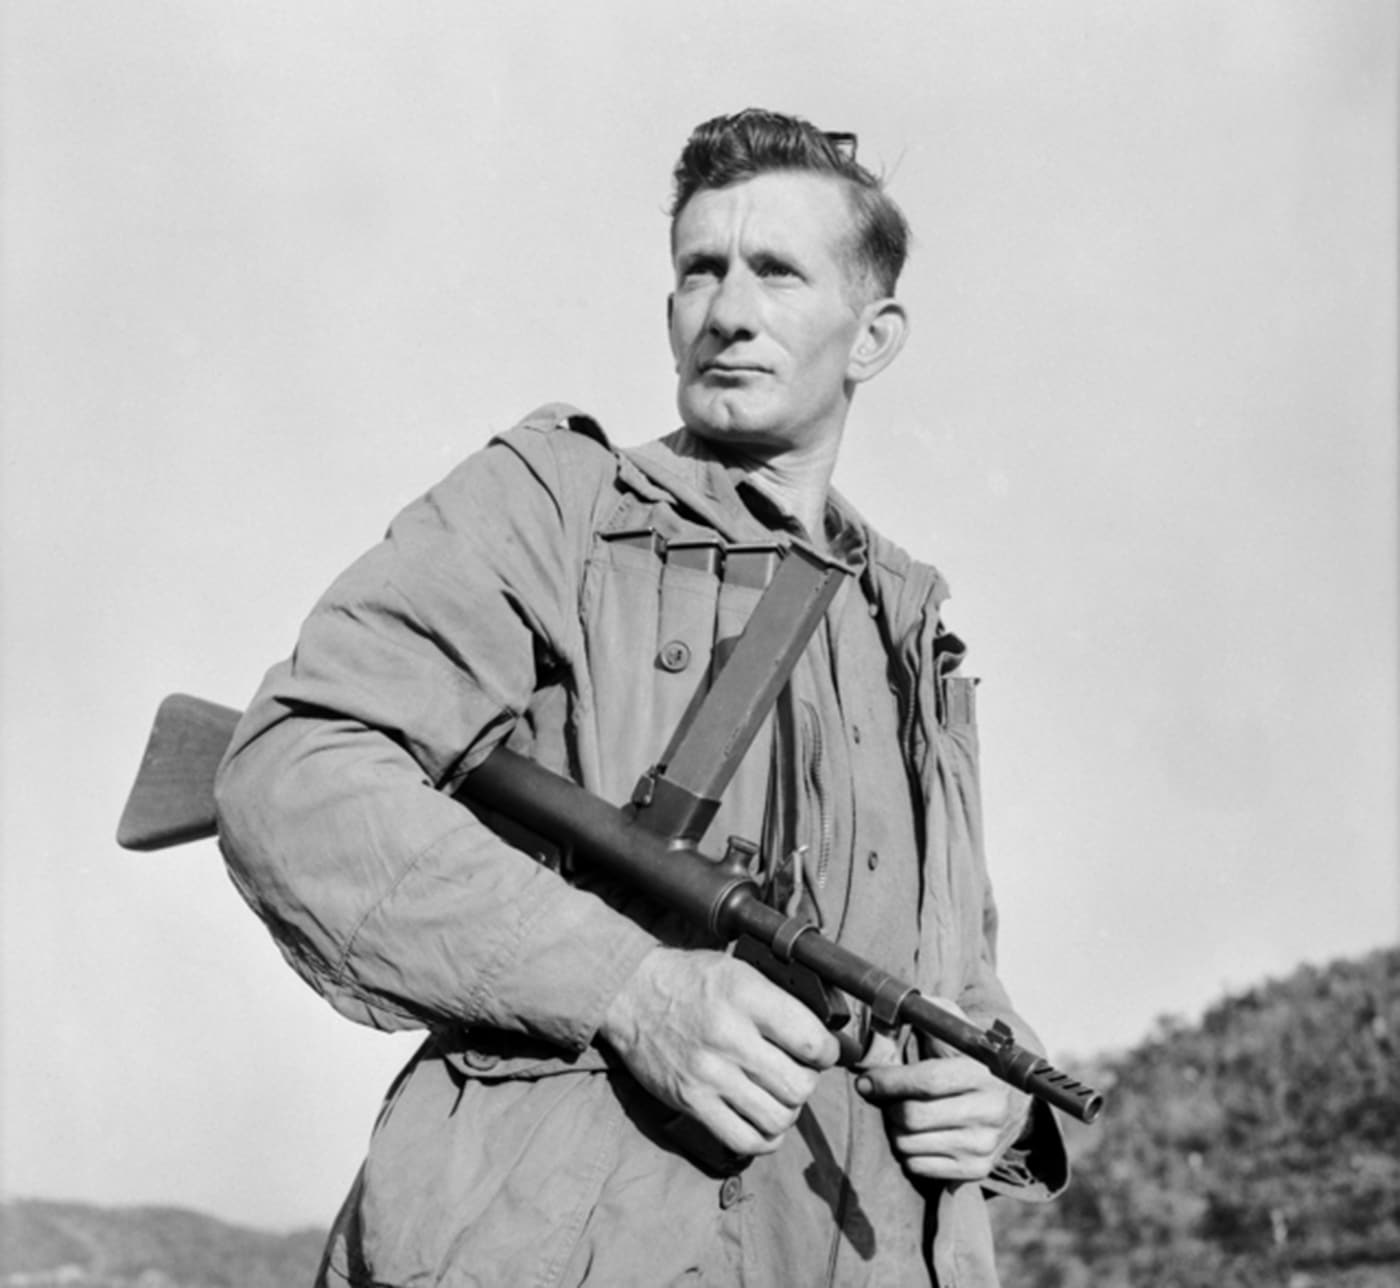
column 1037, row 1166
column 385, row 894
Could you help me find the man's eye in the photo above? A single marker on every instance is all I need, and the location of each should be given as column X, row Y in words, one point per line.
column 699, row 271
column 776, row 268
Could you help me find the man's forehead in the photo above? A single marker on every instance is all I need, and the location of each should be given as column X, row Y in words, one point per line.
column 781, row 207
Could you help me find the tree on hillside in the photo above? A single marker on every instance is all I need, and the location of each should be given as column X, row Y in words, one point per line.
column 1260, row 1147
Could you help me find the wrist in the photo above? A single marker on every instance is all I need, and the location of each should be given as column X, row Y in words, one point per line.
column 619, row 1027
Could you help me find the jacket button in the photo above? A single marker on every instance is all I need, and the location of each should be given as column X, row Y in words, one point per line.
column 675, row 656
column 731, row 1191
column 872, row 860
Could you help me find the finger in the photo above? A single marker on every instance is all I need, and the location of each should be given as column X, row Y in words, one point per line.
column 928, row 1079
column 741, row 1084
column 946, row 1114
column 992, row 1106
column 977, row 1145
column 734, row 1131
column 787, row 1081
column 758, row 1112
column 939, row 1168
column 738, row 1113
column 950, row 1155
column 793, row 1029
column 883, row 1047
column 767, row 1117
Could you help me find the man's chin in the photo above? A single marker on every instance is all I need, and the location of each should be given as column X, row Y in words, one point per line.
column 731, row 436
column 724, row 422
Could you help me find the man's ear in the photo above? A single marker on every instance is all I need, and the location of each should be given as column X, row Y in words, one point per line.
column 884, row 326
column 670, row 329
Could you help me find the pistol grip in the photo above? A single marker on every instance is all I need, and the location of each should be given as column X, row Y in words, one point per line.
column 826, row 1002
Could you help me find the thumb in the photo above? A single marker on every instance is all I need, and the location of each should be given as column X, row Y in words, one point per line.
column 884, row 1046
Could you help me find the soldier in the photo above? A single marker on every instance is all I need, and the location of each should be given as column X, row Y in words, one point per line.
column 603, row 1098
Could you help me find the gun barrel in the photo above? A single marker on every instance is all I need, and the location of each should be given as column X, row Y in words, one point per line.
column 894, row 1002
column 723, row 899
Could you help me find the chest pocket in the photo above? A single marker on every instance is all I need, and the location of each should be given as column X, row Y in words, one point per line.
column 664, row 604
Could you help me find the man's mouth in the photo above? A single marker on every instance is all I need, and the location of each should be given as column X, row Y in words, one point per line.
column 719, row 368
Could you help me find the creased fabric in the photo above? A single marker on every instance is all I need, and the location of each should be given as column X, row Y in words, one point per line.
column 515, row 603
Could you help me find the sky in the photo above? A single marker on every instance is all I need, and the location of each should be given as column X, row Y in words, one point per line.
column 269, row 271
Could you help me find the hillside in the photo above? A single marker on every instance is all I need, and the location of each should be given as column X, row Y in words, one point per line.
column 1260, row 1147
column 77, row 1245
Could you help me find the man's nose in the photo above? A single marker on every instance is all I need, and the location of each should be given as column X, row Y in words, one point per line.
column 733, row 307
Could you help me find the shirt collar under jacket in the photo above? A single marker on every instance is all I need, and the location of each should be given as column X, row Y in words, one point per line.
column 725, row 495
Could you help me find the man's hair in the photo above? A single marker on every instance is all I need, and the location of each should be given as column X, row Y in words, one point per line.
column 730, row 149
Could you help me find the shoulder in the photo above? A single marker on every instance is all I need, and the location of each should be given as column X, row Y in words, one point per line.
column 919, row 582
column 555, row 418
column 906, row 584
column 560, row 441
column 555, row 460
column 555, row 467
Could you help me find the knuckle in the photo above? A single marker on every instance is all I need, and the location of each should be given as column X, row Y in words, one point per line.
column 738, row 1142
column 804, row 1083
column 778, row 1118
column 984, row 1143
column 756, row 1137
column 686, row 1098
column 907, row 1144
column 905, row 1116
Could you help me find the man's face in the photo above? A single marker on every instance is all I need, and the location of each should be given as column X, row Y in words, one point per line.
column 765, row 316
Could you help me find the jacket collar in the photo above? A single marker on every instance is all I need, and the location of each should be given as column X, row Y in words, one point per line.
column 907, row 593
column 693, row 475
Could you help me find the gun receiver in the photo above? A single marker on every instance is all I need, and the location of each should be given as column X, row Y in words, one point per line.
column 649, row 846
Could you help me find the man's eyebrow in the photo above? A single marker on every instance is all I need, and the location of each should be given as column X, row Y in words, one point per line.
column 699, row 255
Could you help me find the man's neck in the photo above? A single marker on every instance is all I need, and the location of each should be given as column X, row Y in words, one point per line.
column 797, row 483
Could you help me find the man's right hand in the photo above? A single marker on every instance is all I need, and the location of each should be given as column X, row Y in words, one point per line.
column 713, row 1038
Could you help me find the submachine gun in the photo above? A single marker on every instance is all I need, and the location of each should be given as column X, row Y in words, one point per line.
column 651, row 845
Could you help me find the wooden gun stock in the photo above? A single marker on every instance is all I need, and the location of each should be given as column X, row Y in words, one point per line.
column 172, row 800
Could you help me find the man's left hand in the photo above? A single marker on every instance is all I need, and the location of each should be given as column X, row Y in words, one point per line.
column 949, row 1118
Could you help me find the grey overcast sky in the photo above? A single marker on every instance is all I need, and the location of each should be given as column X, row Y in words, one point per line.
column 269, row 270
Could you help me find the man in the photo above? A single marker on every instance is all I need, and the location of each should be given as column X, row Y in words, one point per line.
column 604, row 1097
